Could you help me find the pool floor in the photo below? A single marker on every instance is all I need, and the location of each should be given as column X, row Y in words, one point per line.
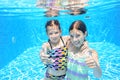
column 27, row 66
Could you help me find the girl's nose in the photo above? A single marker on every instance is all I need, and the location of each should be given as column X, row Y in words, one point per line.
column 52, row 35
column 74, row 39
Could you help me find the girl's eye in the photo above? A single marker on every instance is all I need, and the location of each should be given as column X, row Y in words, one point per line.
column 50, row 33
column 56, row 32
column 77, row 35
column 71, row 36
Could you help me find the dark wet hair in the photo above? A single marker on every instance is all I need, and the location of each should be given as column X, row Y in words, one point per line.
column 79, row 25
column 52, row 23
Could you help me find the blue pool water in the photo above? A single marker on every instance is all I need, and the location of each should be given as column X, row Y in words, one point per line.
column 22, row 33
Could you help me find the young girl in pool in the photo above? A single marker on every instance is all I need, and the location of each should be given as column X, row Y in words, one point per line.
column 80, row 57
column 54, row 52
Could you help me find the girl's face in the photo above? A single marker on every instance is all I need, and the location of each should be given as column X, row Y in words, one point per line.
column 54, row 34
column 77, row 37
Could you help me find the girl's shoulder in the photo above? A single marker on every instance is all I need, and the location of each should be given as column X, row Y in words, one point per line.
column 94, row 52
column 45, row 45
column 66, row 37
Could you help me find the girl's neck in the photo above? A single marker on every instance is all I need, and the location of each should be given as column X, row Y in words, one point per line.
column 76, row 49
column 55, row 44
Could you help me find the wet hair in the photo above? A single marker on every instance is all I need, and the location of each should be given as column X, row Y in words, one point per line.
column 79, row 25
column 51, row 23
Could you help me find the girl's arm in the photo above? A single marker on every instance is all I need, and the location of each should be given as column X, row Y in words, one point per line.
column 96, row 70
column 44, row 56
column 92, row 62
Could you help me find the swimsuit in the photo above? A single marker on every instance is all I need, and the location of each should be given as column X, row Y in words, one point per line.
column 59, row 55
column 77, row 69
column 48, row 75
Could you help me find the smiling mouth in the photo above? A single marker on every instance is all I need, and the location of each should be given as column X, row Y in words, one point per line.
column 77, row 42
column 55, row 39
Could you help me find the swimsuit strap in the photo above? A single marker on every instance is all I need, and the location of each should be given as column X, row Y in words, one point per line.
column 62, row 41
column 67, row 43
column 51, row 45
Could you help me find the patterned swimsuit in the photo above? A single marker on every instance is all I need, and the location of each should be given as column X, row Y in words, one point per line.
column 77, row 68
column 59, row 55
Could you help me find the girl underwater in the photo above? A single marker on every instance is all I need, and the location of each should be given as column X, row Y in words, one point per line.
column 80, row 56
column 54, row 52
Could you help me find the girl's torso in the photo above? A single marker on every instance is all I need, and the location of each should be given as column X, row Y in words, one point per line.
column 59, row 56
column 77, row 69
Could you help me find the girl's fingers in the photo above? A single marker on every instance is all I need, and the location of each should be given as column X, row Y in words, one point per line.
column 91, row 65
column 90, row 62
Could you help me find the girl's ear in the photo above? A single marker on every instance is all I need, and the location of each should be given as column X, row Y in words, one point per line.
column 86, row 33
column 60, row 31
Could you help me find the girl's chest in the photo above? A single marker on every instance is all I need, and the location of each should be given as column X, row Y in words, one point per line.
column 58, row 52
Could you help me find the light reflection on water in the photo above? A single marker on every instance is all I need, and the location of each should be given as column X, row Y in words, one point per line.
column 28, row 7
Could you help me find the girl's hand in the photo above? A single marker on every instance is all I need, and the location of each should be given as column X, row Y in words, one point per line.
column 84, row 46
column 46, row 59
column 91, row 62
